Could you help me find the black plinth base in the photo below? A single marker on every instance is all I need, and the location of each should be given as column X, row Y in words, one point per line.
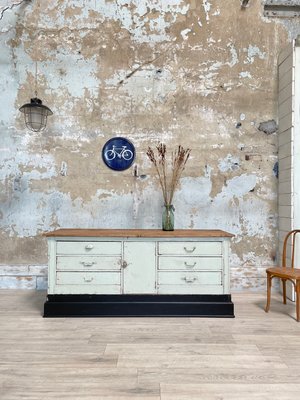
column 139, row 305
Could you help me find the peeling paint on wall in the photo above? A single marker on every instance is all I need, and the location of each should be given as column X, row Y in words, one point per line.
column 229, row 163
column 268, row 127
column 179, row 71
column 252, row 53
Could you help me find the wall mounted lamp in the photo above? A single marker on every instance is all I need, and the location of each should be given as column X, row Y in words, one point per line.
column 35, row 113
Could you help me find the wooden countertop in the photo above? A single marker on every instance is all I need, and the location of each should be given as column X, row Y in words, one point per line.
column 146, row 233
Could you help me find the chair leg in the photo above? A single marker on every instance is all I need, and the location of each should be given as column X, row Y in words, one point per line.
column 269, row 284
column 298, row 300
column 284, row 290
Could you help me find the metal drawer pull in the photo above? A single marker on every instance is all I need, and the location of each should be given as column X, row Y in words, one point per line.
column 189, row 280
column 190, row 250
column 190, row 265
column 88, row 263
column 88, row 280
column 89, row 246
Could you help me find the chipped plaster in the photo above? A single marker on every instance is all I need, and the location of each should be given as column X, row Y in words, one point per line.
column 179, row 71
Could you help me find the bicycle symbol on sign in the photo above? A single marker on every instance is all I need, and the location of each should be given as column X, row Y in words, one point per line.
column 120, row 152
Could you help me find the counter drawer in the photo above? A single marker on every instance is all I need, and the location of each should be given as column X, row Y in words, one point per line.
column 190, row 289
column 190, row 248
column 88, row 278
column 88, row 263
column 190, row 278
column 190, row 263
column 88, row 248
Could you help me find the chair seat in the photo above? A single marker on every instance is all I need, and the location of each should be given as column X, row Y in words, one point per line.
column 291, row 273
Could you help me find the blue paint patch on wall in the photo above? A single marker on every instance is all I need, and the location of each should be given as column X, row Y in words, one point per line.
column 276, row 169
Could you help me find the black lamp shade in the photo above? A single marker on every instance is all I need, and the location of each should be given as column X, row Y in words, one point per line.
column 35, row 114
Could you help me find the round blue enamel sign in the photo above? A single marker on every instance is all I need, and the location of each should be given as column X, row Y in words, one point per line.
column 118, row 153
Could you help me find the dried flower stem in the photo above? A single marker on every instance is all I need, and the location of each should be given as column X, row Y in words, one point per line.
column 178, row 162
column 150, row 154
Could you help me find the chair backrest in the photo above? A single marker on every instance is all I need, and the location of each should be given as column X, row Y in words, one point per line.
column 292, row 237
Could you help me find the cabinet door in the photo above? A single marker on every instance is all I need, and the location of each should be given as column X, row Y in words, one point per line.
column 140, row 272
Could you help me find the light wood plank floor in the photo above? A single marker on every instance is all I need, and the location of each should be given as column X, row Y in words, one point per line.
column 254, row 356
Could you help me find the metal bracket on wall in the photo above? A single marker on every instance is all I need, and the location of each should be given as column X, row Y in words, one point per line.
column 282, row 8
column 244, row 4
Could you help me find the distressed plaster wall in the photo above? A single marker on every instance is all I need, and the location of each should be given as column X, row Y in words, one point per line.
column 201, row 73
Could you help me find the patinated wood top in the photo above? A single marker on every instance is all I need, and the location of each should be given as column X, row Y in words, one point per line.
column 147, row 233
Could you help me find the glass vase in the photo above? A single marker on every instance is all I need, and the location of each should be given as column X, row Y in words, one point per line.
column 168, row 217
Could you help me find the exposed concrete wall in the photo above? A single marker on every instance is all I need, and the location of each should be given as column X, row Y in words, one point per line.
column 200, row 73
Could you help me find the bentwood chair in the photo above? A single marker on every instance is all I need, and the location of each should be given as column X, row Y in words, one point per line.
column 286, row 273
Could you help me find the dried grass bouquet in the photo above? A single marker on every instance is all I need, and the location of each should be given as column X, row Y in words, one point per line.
column 179, row 158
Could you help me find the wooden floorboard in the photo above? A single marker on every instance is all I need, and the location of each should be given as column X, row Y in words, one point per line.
column 253, row 356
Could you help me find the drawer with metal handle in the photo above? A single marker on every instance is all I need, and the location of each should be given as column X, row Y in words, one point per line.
column 190, row 248
column 189, row 263
column 88, row 263
column 189, row 282
column 88, row 248
column 189, row 278
column 88, row 278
